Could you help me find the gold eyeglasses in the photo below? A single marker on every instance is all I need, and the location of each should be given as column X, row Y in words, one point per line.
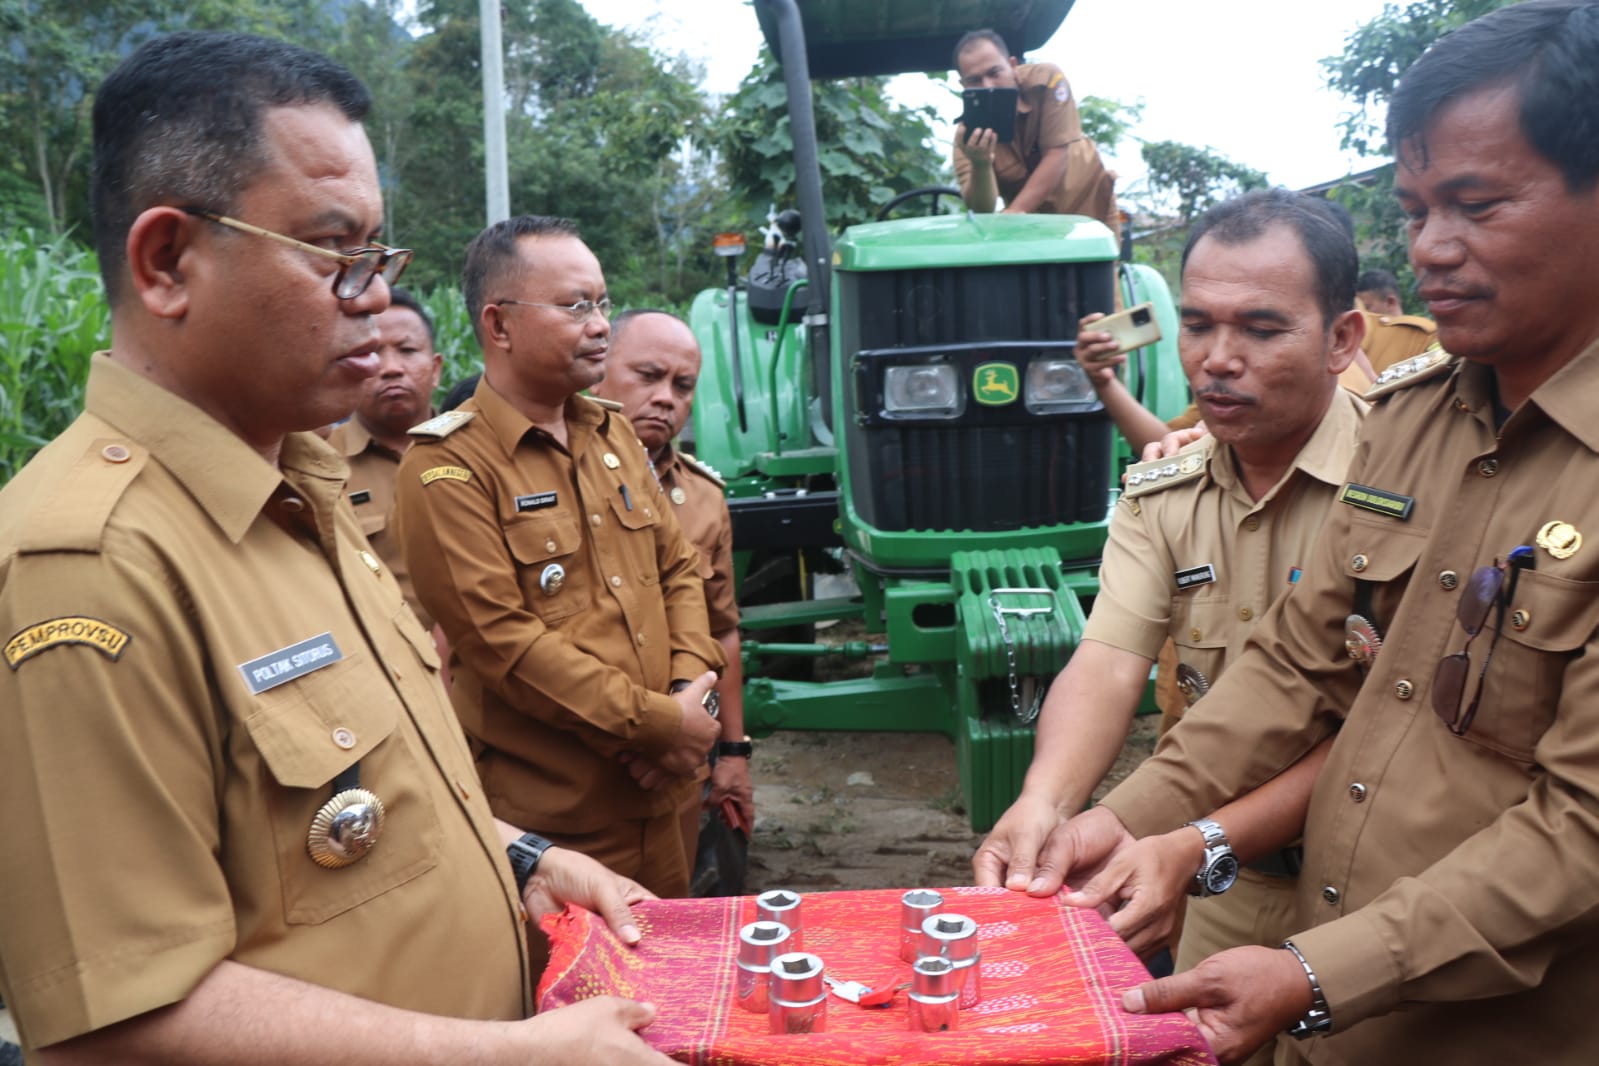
column 356, row 269
column 579, row 312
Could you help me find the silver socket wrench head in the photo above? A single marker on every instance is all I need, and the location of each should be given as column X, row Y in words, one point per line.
column 954, row 937
column 758, row 944
column 797, row 996
column 914, row 908
column 934, row 1002
column 781, row 905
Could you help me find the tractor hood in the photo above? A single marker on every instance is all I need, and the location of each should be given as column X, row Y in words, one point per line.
column 973, row 240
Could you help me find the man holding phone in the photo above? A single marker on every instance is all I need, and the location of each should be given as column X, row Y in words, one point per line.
column 1046, row 166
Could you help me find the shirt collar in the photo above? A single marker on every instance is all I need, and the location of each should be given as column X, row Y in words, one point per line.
column 228, row 479
column 510, row 426
column 1566, row 398
column 1325, row 456
column 350, row 438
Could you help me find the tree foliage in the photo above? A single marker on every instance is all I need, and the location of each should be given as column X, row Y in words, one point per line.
column 1109, row 122
column 1192, row 179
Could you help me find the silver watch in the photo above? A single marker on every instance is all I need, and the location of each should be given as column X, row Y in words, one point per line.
column 1219, row 868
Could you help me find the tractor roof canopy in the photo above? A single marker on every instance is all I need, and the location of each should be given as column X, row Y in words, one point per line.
column 858, row 38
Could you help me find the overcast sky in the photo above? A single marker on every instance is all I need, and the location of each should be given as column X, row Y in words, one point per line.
column 1238, row 76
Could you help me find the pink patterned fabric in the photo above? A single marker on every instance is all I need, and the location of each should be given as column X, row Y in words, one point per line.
column 1052, row 980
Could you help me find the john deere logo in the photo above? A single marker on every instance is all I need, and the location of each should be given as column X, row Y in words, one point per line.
column 995, row 384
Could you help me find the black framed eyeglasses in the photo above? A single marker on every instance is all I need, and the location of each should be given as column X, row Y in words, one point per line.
column 1486, row 588
column 356, row 268
column 578, row 312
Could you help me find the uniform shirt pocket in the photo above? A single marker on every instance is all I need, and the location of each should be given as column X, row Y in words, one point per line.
column 546, row 547
column 638, row 538
column 309, row 732
column 1547, row 624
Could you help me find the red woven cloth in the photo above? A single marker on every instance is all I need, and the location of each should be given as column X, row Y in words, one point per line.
column 1052, row 981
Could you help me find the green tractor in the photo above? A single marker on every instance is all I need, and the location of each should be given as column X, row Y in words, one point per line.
column 902, row 399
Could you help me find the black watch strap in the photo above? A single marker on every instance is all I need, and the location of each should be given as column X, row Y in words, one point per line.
column 738, row 749
column 525, row 852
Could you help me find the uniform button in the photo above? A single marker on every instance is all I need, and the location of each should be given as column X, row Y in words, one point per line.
column 465, row 792
column 1193, row 634
column 1462, row 405
column 1520, row 619
column 1404, row 689
column 641, row 639
column 293, row 504
column 1357, row 792
column 1330, row 895
column 522, row 913
column 1488, row 467
column 647, row 513
column 1252, row 523
column 1245, row 613
column 1359, row 563
column 116, row 453
column 594, row 518
column 1448, row 580
column 550, row 545
column 344, row 738
column 616, row 581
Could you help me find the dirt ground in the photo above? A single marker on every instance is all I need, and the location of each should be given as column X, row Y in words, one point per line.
column 870, row 810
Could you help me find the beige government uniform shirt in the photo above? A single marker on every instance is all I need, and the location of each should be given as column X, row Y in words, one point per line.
column 701, row 509
column 1046, row 117
column 373, row 469
column 1192, row 557
column 556, row 677
column 164, row 746
column 1392, row 339
column 1448, row 894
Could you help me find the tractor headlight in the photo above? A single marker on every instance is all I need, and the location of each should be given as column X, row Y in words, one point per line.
column 1058, row 385
column 924, row 390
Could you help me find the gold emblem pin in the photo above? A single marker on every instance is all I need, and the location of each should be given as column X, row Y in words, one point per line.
column 1560, row 539
column 553, row 579
column 1361, row 639
column 679, row 497
column 345, row 829
column 1191, row 683
column 1191, row 463
column 611, row 462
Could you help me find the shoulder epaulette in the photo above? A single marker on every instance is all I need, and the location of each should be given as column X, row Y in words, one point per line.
column 704, row 468
column 1429, row 364
column 1426, row 325
column 609, row 405
column 74, row 517
column 440, row 426
column 1186, row 465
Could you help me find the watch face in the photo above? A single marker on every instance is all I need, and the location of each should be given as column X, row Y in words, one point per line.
column 1221, row 874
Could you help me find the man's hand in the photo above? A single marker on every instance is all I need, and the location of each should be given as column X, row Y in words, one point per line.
column 1143, row 886
column 1034, row 848
column 696, row 734
column 1172, row 443
column 601, row 1029
column 1096, row 352
column 980, row 148
column 730, row 779
column 1240, row 999
column 565, row 876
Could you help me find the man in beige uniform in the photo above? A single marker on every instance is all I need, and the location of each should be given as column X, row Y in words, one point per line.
column 652, row 371
column 1391, row 335
column 1048, row 167
column 374, row 438
column 1202, row 543
column 547, row 550
column 1452, row 839
column 240, row 823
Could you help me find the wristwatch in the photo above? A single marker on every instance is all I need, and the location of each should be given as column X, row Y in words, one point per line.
column 525, row 852
column 1318, row 1019
column 1219, row 868
column 738, row 749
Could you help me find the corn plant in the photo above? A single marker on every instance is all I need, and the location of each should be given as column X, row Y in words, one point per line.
column 53, row 317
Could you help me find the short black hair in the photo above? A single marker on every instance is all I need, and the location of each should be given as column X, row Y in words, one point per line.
column 619, row 322
column 1378, row 280
column 179, row 122
column 969, row 39
column 1547, row 50
column 492, row 257
column 1327, row 242
column 399, row 297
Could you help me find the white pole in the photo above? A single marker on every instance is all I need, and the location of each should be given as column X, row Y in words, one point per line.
column 496, row 185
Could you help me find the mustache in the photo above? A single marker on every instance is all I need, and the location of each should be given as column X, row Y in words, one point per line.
column 1221, row 391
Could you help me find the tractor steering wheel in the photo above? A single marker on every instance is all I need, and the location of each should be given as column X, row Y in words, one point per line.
column 933, row 191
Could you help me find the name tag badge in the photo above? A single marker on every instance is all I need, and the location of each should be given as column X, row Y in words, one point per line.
column 284, row 665
column 361, row 496
column 535, row 501
column 1380, row 501
column 1196, row 575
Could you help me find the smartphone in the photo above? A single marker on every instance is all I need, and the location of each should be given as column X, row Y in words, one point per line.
column 1132, row 328
column 990, row 109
